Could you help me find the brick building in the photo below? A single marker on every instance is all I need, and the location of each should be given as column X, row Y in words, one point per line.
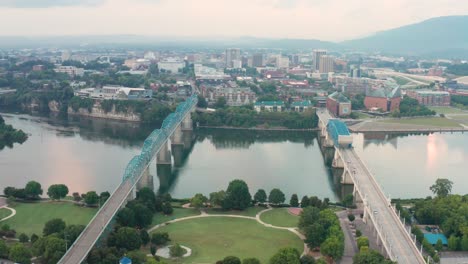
column 386, row 99
column 338, row 104
column 431, row 98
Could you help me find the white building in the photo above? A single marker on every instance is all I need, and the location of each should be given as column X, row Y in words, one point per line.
column 114, row 92
column 70, row 70
column 172, row 65
column 231, row 55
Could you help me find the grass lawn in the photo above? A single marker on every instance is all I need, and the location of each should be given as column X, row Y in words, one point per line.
column 280, row 217
column 4, row 213
column 251, row 211
column 213, row 238
column 159, row 218
column 429, row 121
column 446, row 110
column 31, row 217
column 400, row 80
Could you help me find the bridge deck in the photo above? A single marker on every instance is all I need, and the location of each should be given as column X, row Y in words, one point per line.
column 401, row 247
column 80, row 249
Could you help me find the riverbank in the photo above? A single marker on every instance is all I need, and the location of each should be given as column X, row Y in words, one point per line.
column 409, row 125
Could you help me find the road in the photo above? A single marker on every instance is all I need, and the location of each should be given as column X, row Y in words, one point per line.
column 85, row 242
column 399, row 241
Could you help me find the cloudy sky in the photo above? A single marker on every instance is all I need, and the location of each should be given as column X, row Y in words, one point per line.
column 318, row 19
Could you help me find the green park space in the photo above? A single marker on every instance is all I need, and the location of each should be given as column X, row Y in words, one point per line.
column 213, row 238
column 280, row 217
column 30, row 218
column 160, row 218
column 446, row 110
column 400, row 80
column 429, row 121
column 250, row 211
column 4, row 213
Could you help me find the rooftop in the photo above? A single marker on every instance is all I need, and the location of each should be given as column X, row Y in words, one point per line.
column 388, row 91
column 433, row 238
column 339, row 126
column 270, row 103
column 337, row 96
column 302, row 103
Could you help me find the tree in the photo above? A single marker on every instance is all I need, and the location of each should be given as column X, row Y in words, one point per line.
column 370, row 257
column 177, row 251
column 56, row 225
column 202, row 102
column 127, row 238
column 276, row 196
column 286, row 255
column 260, row 196
column 103, row 197
column 315, row 235
column 237, row 196
column 23, row 238
column 220, row 102
column 464, row 242
column 53, row 249
column 351, row 217
column 439, row 246
column 145, row 238
column 362, row 242
column 305, row 202
column 167, row 208
column 198, row 200
column 442, row 187
column 57, row 191
column 294, row 202
column 72, row 232
column 231, row 260
column 153, row 250
column 250, row 261
column 76, row 197
column 34, row 238
column 33, row 190
column 126, row 217
column 308, row 217
column 20, row 254
column 137, row 257
column 147, row 197
column 143, row 215
column 91, row 198
column 348, row 200
column 160, row 239
column 453, row 243
column 332, row 247
column 307, row 259
column 3, row 249
column 217, row 198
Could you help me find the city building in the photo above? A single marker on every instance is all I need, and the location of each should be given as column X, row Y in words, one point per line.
column 70, row 70
column 172, row 65
column 316, row 55
column 282, row 62
column 326, row 64
column 257, row 60
column 430, row 98
column 209, row 74
column 355, row 71
column 114, row 92
column 231, row 55
column 270, row 106
column 235, row 96
column 435, row 71
column 301, row 106
column 338, row 104
column 38, row 68
column 355, row 86
column 386, row 99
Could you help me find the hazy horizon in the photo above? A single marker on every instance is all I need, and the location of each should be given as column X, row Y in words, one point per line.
column 333, row 20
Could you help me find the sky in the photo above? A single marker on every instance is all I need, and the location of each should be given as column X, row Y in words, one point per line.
column 332, row 20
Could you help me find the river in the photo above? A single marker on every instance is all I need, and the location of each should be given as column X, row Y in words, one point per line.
column 91, row 154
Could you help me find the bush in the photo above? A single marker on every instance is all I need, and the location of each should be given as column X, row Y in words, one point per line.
column 23, row 238
column 351, row 217
column 177, row 251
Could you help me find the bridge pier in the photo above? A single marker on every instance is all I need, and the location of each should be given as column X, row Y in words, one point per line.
column 176, row 137
column 337, row 161
column 187, row 139
column 164, row 172
column 146, row 180
column 164, row 155
column 178, row 154
column 346, row 177
column 187, row 123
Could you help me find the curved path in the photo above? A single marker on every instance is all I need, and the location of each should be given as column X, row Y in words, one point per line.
column 3, row 204
column 256, row 218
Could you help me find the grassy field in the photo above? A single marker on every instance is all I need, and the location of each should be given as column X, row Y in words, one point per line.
column 400, row 80
column 251, row 211
column 4, row 213
column 214, row 238
column 280, row 217
column 429, row 121
column 446, row 110
column 178, row 213
column 31, row 217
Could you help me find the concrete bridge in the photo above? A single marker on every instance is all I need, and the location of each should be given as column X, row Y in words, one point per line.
column 395, row 239
column 156, row 146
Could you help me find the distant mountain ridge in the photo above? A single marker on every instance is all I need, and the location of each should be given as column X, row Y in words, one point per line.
column 433, row 37
column 440, row 37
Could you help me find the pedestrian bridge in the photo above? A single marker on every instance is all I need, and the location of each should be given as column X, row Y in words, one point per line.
column 154, row 147
column 395, row 239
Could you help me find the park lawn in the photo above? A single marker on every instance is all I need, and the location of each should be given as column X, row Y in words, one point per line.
column 280, row 217
column 30, row 218
column 4, row 213
column 160, row 218
column 446, row 110
column 363, row 115
column 213, row 238
column 250, row 211
column 400, row 80
column 428, row 121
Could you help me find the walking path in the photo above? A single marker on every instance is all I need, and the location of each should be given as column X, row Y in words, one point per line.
column 350, row 244
column 256, row 218
column 3, row 204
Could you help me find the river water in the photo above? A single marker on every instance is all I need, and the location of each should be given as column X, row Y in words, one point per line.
column 90, row 154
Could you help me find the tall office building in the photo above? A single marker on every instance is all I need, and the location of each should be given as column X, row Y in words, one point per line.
column 316, row 55
column 327, row 64
column 232, row 55
column 257, row 60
